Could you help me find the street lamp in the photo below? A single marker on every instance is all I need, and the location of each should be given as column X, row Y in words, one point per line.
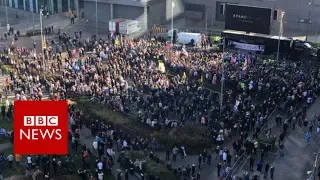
column 33, row 20
column 309, row 20
column 222, row 76
column 42, row 45
column 206, row 23
column 96, row 19
column 280, row 34
column 8, row 26
column 172, row 6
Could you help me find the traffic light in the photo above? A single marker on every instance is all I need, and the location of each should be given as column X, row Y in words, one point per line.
column 174, row 38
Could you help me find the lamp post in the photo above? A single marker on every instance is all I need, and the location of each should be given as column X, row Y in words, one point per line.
column 309, row 20
column 8, row 26
column 172, row 6
column 222, row 76
column 316, row 40
column 280, row 34
column 206, row 24
column 97, row 19
column 33, row 19
column 42, row 45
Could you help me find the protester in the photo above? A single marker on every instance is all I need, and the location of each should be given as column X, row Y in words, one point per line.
column 130, row 77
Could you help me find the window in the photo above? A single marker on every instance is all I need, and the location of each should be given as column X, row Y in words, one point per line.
column 81, row 4
column 222, row 8
column 20, row 4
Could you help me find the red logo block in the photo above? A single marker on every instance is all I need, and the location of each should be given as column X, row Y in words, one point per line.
column 41, row 127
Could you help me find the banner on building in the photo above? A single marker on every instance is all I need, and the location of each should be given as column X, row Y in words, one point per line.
column 245, row 46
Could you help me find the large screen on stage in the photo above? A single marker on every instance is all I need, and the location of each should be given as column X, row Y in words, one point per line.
column 248, row 18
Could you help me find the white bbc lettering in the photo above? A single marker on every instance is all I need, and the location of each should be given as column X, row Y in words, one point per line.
column 28, row 120
column 52, row 120
column 49, row 134
column 24, row 134
column 34, row 134
column 41, row 121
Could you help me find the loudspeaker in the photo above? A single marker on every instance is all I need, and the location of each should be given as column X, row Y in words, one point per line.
column 318, row 54
column 275, row 14
column 174, row 38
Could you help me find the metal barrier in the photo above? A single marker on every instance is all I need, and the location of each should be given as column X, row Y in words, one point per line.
column 235, row 167
column 244, row 157
column 313, row 174
column 194, row 30
column 159, row 30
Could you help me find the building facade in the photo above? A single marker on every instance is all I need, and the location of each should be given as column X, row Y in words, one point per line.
column 52, row 6
column 147, row 12
column 211, row 12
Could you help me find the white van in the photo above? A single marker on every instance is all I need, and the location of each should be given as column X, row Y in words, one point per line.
column 170, row 32
column 185, row 38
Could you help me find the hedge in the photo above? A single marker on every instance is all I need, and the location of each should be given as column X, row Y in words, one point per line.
column 124, row 122
column 151, row 168
column 192, row 137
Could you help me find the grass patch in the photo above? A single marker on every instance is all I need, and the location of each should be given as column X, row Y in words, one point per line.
column 7, row 125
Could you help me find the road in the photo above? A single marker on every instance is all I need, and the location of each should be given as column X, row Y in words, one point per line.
column 299, row 157
column 28, row 21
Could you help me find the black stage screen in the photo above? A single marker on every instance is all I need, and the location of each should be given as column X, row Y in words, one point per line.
column 248, row 18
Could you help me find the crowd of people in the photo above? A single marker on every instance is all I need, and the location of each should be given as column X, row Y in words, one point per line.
column 128, row 75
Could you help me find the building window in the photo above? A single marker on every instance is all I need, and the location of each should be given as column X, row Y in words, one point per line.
column 222, row 8
column 20, row 4
column 72, row 6
column 65, row 6
column 81, row 4
column 55, row 6
column 27, row 5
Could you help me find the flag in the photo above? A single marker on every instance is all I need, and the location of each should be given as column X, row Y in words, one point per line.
column 185, row 52
column 44, row 44
column 117, row 42
column 245, row 66
column 234, row 59
column 161, row 67
column 184, row 75
column 248, row 60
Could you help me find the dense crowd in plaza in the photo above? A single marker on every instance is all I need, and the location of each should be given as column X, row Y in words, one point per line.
column 128, row 76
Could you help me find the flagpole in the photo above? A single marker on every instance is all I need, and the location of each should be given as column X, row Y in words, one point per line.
column 222, row 77
column 280, row 34
column 42, row 45
column 172, row 6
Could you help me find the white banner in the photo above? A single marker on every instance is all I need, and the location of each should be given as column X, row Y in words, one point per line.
column 250, row 47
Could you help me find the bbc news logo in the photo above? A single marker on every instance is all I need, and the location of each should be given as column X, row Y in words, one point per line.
column 37, row 133
column 40, row 127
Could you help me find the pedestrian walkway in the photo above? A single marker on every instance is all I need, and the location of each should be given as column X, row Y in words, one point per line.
column 5, row 146
column 298, row 156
